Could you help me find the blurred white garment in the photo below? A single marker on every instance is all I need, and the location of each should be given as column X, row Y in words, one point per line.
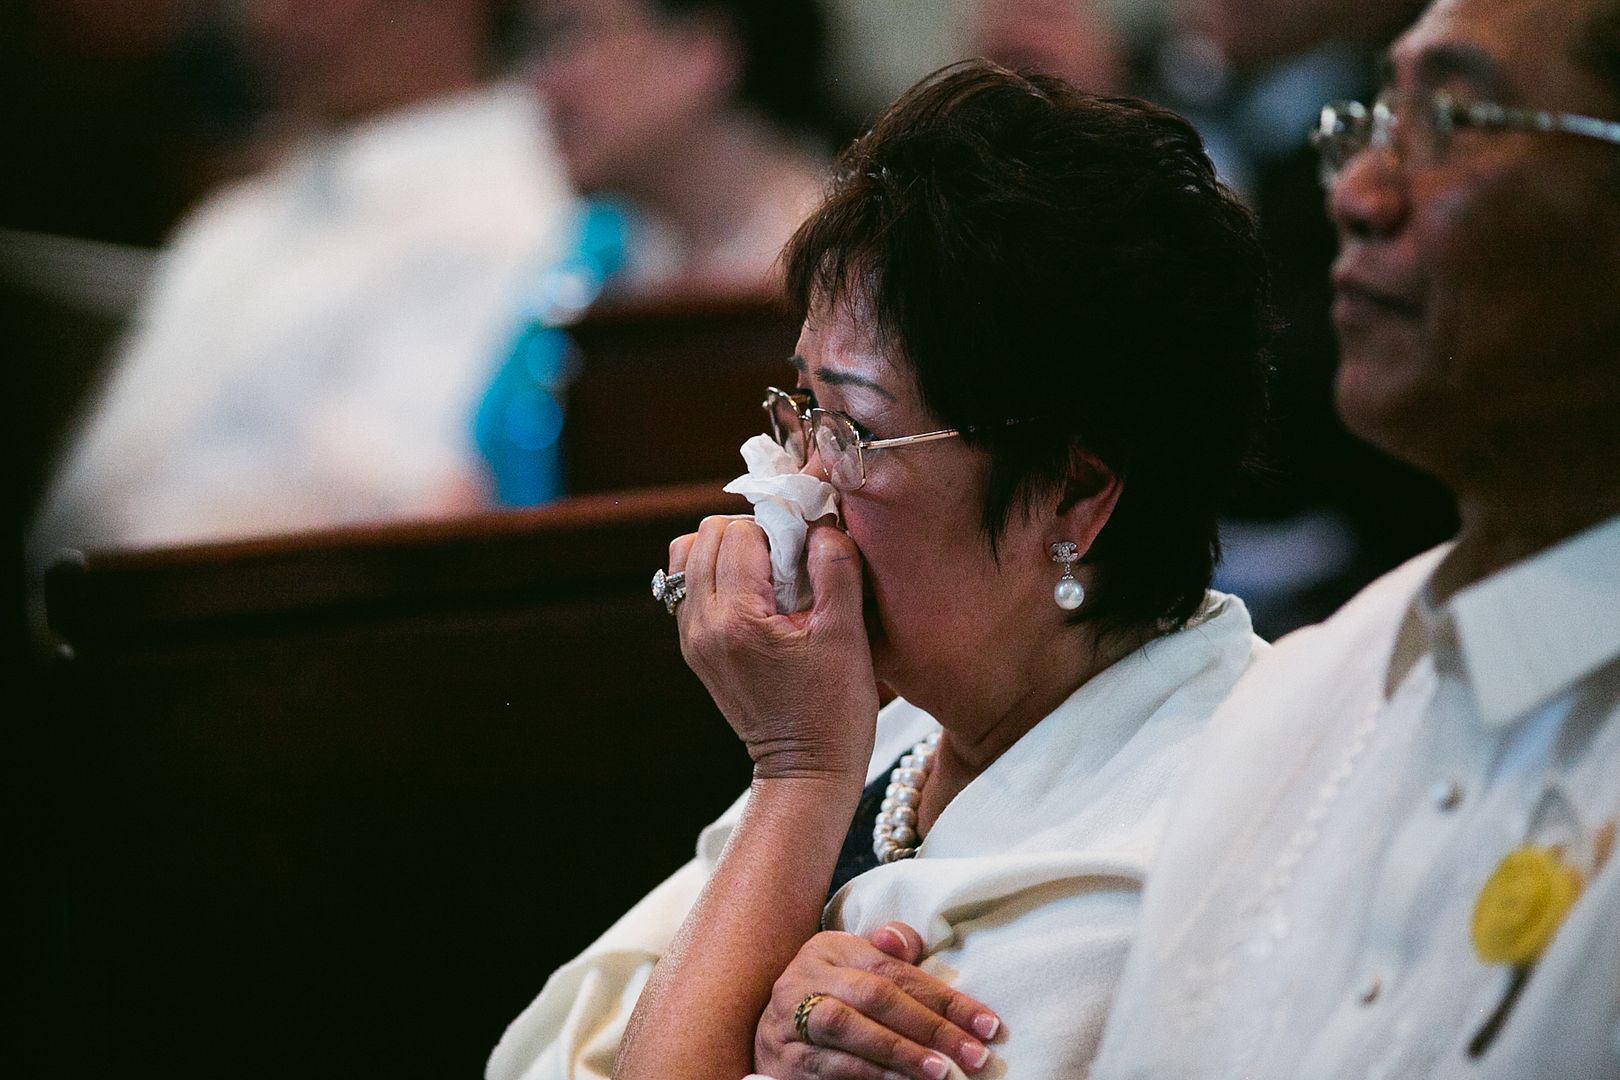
column 317, row 336
column 1025, row 891
column 1311, row 911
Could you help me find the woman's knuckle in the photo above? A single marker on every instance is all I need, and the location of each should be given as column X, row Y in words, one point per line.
column 785, row 997
column 874, row 993
column 960, row 1011
column 899, row 1050
column 836, row 1020
column 941, row 1032
column 893, row 971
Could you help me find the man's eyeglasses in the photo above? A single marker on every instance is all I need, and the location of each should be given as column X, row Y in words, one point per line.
column 1346, row 128
column 797, row 426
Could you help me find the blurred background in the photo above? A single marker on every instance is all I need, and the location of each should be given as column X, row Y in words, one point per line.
column 320, row 269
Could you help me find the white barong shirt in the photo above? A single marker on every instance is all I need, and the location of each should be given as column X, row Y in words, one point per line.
column 1025, row 891
column 1310, row 913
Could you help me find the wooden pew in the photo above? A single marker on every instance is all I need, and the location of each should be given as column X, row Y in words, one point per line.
column 667, row 389
column 344, row 800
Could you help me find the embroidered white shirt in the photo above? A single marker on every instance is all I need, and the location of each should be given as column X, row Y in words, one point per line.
column 1310, row 913
column 1025, row 891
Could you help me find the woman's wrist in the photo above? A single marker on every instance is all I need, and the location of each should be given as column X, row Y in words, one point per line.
column 814, row 764
column 814, row 809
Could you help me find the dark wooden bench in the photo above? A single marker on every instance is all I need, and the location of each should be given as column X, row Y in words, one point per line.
column 343, row 800
column 669, row 388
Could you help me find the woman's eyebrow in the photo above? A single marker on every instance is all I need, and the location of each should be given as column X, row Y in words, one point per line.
column 834, row 377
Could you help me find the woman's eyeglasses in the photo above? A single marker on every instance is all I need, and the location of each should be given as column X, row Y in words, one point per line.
column 1346, row 128
column 797, row 426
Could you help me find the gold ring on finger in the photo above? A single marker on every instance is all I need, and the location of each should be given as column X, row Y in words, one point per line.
column 801, row 1016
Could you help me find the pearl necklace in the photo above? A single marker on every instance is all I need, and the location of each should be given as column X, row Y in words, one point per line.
column 894, row 837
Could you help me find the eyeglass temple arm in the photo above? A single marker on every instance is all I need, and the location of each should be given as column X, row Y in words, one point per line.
column 1569, row 123
column 906, row 440
column 1489, row 114
column 930, row 436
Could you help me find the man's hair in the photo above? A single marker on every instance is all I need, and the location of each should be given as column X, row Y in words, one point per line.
column 1031, row 251
column 783, row 46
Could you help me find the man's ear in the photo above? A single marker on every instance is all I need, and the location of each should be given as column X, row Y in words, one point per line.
column 1086, row 501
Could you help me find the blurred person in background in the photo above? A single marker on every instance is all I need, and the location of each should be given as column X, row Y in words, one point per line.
column 696, row 132
column 1333, row 513
column 1070, row 39
column 1255, row 67
column 318, row 334
column 706, row 118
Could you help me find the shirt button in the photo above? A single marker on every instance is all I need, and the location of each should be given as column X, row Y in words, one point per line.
column 1371, row 989
column 1447, row 795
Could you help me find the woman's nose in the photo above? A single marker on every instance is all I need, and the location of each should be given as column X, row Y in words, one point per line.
column 812, row 461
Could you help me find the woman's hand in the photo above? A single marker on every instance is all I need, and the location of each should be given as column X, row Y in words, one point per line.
column 882, row 1017
column 798, row 689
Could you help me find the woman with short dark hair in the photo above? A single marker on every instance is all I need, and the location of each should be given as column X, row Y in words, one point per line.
column 1034, row 325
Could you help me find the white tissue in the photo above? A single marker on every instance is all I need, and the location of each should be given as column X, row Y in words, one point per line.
column 785, row 502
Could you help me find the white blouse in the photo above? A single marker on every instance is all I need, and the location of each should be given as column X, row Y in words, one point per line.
column 1025, row 891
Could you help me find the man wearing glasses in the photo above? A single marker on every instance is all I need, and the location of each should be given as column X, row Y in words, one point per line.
column 1398, row 858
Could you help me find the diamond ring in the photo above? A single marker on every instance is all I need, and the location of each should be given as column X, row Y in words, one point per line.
column 669, row 588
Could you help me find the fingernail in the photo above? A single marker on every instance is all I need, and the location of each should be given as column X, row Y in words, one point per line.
column 985, row 1026
column 936, row 1067
column 974, row 1055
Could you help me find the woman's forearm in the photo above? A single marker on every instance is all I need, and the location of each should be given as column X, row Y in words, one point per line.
column 697, row 1015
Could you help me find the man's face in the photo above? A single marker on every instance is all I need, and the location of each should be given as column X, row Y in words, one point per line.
column 1478, row 283
column 623, row 85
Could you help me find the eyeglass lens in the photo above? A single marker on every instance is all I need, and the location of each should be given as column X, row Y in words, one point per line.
column 1344, row 131
column 1347, row 128
column 836, row 447
column 787, row 425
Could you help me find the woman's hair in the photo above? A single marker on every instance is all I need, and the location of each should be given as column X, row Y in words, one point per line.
column 1036, row 252
column 783, row 49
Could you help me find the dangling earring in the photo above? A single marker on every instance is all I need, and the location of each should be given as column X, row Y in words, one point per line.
column 1069, row 593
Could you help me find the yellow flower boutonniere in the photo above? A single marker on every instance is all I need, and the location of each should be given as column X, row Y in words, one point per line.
column 1522, row 905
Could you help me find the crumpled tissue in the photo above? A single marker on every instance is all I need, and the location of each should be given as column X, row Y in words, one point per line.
column 785, row 502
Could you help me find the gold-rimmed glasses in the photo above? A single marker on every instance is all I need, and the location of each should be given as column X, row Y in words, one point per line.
column 1346, row 128
column 798, row 425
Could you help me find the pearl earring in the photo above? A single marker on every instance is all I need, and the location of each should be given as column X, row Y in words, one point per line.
column 1069, row 593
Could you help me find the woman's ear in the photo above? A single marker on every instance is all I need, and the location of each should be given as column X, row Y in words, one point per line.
column 1087, row 501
